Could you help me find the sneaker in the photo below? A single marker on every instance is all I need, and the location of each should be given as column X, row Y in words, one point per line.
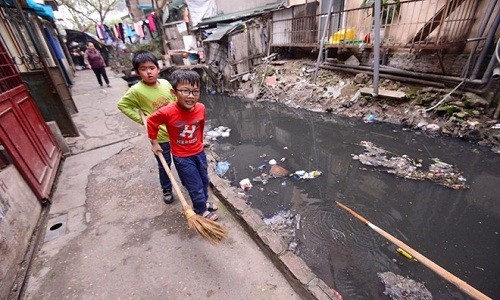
column 109, row 85
column 167, row 196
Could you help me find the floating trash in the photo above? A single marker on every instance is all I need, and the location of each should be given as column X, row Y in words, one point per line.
column 406, row 254
column 263, row 178
column 220, row 131
column 403, row 166
column 221, row 168
column 399, row 287
column 306, row 175
column 278, row 171
column 370, row 118
column 245, row 184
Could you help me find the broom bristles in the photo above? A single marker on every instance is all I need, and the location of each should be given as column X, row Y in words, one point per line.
column 210, row 230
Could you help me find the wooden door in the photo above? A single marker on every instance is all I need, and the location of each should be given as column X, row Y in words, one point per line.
column 23, row 132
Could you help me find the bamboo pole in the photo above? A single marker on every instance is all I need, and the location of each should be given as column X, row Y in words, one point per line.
column 462, row 285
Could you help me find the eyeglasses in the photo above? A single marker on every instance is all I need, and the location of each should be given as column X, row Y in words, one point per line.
column 187, row 92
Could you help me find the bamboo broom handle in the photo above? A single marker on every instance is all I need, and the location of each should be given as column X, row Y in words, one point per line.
column 462, row 285
column 176, row 187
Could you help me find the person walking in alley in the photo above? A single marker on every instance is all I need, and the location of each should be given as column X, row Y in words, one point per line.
column 147, row 96
column 93, row 59
column 185, row 122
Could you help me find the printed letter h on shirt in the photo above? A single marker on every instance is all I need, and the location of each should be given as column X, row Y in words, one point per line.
column 188, row 131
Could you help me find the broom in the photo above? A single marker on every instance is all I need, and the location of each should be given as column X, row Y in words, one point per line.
column 208, row 229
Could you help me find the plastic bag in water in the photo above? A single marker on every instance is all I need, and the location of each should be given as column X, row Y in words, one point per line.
column 221, row 168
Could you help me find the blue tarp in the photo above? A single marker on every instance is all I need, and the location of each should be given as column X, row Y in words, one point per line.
column 42, row 10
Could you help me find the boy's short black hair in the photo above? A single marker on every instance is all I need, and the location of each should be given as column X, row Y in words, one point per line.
column 141, row 57
column 184, row 75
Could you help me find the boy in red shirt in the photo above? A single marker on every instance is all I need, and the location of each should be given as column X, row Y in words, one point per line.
column 185, row 121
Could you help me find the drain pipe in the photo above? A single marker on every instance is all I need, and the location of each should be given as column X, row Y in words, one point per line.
column 480, row 32
column 490, row 39
column 376, row 48
column 322, row 41
column 429, row 77
column 383, row 75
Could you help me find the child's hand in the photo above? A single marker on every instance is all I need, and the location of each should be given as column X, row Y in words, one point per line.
column 155, row 147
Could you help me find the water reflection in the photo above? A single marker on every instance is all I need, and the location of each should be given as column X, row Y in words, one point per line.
column 458, row 229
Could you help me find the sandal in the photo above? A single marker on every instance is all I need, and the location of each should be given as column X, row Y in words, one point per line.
column 211, row 206
column 210, row 215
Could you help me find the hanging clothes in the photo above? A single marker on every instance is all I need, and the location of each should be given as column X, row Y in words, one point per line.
column 151, row 22
column 121, row 32
column 138, row 29
column 98, row 31
column 129, row 31
column 145, row 29
column 109, row 37
column 114, row 29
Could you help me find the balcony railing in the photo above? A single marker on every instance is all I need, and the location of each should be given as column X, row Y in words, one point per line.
column 427, row 24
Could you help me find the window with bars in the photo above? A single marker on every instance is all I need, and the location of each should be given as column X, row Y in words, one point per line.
column 27, row 56
column 10, row 78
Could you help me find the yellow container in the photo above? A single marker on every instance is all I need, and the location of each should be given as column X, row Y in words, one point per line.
column 343, row 35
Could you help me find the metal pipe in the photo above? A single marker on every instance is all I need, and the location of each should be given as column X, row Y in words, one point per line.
column 322, row 41
column 428, row 76
column 481, row 86
column 489, row 40
column 480, row 31
column 376, row 48
column 392, row 77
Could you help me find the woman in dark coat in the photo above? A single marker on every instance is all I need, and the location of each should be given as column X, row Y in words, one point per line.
column 94, row 60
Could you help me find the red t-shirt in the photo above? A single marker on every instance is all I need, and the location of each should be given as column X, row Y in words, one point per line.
column 185, row 128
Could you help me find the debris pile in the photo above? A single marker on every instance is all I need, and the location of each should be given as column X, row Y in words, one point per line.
column 406, row 167
column 399, row 287
column 285, row 224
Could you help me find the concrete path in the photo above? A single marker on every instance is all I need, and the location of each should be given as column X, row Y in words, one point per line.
column 109, row 235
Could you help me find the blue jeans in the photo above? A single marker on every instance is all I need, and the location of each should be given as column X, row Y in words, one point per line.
column 164, row 181
column 193, row 173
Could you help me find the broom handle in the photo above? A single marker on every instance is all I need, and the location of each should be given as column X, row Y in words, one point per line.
column 176, row 187
column 462, row 285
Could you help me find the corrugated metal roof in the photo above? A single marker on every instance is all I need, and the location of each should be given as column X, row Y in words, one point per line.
column 224, row 18
column 221, row 30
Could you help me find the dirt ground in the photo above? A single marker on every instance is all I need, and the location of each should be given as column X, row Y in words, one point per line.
column 462, row 114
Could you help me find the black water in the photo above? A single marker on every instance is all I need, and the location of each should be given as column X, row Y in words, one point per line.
column 457, row 229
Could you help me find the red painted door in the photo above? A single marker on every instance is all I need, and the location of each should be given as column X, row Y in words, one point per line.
column 23, row 132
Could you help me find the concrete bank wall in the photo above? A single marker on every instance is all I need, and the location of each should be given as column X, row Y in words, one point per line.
column 299, row 275
column 19, row 214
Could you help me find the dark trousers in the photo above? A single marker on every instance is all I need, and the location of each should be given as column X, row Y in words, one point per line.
column 193, row 172
column 101, row 72
column 164, row 181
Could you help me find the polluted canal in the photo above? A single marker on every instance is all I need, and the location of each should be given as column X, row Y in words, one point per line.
column 437, row 195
